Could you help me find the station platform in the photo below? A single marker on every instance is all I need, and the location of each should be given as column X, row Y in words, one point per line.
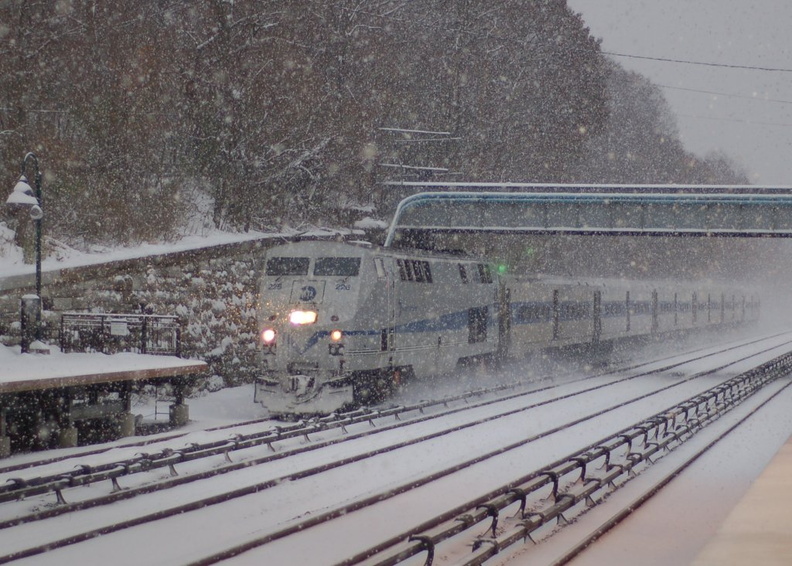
column 758, row 531
column 34, row 372
column 56, row 392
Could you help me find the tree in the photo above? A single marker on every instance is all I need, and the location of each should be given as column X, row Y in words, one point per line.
column 271, row 111
column 97, row 109
column 640, row 143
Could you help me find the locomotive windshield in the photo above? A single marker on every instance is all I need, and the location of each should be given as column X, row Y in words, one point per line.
column 337, row 266
column 287, row 266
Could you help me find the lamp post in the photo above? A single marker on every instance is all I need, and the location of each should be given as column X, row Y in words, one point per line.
column 23, row 195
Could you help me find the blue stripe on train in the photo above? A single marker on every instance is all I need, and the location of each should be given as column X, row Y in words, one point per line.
column 530, row 312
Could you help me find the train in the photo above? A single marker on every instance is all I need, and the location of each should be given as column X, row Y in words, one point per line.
column 341, row 324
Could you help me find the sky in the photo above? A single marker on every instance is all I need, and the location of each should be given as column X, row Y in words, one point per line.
column 721, row 106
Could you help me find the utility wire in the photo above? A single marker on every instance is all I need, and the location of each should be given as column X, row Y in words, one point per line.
column 756, row 98
column 736, row 120
column 728, row 66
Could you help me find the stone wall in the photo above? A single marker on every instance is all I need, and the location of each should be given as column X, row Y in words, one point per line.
column 212, row 290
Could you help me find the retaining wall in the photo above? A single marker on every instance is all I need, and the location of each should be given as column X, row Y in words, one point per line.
column 212, row 290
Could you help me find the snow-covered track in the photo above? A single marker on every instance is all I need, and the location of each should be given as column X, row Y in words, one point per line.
column 620, row 456
column 259, row 480
column 649, row 451
column 85, row 474
column 131, row 442
column 626, row 510
column 673, row 425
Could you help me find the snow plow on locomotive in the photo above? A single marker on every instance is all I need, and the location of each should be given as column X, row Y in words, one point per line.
column 342, row 323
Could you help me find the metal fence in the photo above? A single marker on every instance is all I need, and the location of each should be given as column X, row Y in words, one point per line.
column 111, row 333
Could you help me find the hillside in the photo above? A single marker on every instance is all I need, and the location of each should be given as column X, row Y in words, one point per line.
column 263, row 115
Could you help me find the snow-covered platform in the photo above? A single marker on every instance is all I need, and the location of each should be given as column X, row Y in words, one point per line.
column 47, row 398
column 758, row 531
column 34, row 372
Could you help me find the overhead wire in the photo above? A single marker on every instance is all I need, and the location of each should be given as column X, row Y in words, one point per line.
column 737, row 120
column 715, row 93
column 702, row 63
column 730, row 95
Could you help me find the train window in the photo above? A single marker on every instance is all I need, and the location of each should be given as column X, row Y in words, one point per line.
column 423, row 273
column 337, row 266
column 575, row 311
column 418, row 271
column 414, row 270
column 463, row 273
column 535, row 312
column 477, row 324
column 485, row 276
column 408, row 268
column 287, row 266
column 402, row 271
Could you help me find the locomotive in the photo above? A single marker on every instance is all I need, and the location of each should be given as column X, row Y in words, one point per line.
column 343, row 323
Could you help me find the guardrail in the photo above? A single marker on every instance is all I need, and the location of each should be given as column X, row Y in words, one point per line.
column 111, row 333
column 572, row 481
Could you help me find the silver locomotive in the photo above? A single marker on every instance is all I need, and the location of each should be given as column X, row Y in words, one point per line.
column 343, row 323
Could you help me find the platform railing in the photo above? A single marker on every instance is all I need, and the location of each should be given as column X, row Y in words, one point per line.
column 110, row 333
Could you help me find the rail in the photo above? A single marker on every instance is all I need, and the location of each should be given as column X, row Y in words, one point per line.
column 618, row 456
column 655, row 435
column 18, row 488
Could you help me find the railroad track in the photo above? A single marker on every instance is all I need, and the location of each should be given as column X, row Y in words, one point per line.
column 281, row 432
column 19, row 488
column 615, row 460
column 507, row 408
column 658, row 484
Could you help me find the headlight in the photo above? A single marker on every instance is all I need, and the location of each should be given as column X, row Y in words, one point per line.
column 336, row 335
column 268, row 335
column 302, row 317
